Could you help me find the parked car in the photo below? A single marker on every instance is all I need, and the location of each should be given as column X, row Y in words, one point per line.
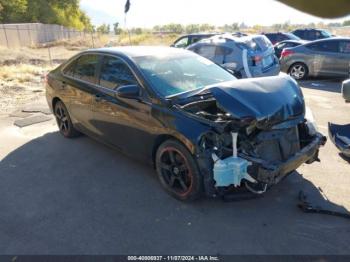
column 286, row 44
column 312, row 34
column 202, row 129
column 250, row 56
column 186, row 40
column 328, row 57
column 279, row 37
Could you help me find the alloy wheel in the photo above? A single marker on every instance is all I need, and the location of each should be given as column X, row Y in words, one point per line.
column 62, row 118
column 298, row 71
column 175, row 171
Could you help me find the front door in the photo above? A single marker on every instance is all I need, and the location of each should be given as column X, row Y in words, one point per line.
column 121, row 122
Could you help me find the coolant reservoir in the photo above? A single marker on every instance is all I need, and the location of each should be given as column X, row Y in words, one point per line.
column 231, row 170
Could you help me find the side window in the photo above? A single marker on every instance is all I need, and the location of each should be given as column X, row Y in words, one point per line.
column 207, row 51
column 298, row 33
column 344, row 47
column 327, row 46
column 223, row 50
column 85, row 68
column 69, row 69
column 183, row 42
column 195, row 40
column 115, row 73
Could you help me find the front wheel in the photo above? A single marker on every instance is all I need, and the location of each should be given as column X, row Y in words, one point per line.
column 178, row 171
column 298, row 71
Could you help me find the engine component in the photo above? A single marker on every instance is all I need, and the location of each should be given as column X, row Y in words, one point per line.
column 231, row 170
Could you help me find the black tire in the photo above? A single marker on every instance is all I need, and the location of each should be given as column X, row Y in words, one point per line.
column 64, row 122
column 299, row 71
column 178, row 171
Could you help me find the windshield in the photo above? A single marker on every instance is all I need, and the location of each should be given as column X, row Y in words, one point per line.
column 326, row 33
column 175, row 74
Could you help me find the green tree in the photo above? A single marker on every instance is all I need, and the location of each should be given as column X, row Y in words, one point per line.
column 62, row 12
column 116, row 29
column 103, row 29
column 12, row 11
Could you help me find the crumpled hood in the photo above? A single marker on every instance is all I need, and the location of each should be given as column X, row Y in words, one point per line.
column 273, row 99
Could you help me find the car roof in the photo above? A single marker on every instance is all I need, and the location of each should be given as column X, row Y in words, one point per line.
column 137, row 51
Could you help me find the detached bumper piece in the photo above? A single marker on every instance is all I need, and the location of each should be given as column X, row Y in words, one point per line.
column 273, row 173
column 340, row 136
column 307, row 207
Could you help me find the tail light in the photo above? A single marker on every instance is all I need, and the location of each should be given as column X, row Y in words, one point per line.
column 286, row 52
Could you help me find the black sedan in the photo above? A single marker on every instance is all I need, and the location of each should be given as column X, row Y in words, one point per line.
column 287, row 44
column 202, row 129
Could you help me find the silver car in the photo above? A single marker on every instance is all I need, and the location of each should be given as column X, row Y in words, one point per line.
column 326, row 57
column 246, row 56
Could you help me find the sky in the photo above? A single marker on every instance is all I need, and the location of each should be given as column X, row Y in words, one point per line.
column 147, row 13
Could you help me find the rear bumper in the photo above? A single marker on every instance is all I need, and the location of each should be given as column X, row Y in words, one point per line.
column 273, row 173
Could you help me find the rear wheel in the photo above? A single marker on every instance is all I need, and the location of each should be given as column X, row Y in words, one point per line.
column 298, row 71
column 178, row 171
column 63, row 121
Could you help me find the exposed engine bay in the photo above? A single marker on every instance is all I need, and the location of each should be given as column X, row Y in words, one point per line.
column 253, row 147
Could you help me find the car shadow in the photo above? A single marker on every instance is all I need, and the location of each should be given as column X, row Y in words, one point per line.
column 323, row 84
column 77, row 196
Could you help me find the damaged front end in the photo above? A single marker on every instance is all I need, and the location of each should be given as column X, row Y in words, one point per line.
column 259, row 133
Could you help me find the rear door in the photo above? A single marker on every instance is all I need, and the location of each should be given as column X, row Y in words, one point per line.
column 80, row 79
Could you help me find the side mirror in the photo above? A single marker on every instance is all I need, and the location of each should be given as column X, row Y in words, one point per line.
column 128, row 91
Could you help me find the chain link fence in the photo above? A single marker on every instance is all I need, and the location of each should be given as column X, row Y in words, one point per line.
column 37, row 34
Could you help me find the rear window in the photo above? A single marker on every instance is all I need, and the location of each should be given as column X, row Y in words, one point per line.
column 272, row 37
column 83, row 68
column 258, row 43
